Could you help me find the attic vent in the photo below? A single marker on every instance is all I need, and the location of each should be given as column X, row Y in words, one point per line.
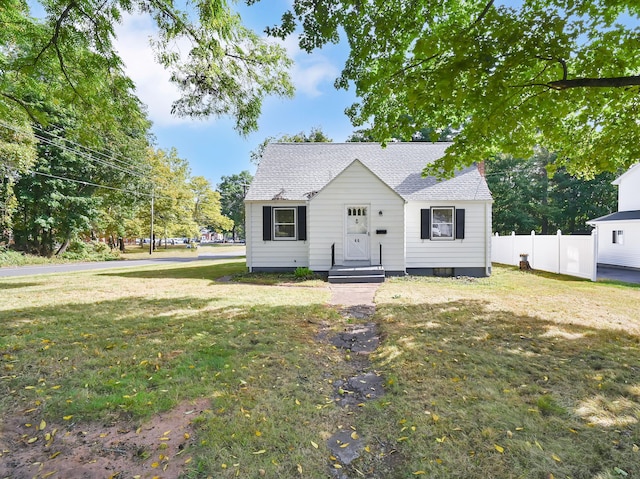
column 311, row 194
column 279, row 195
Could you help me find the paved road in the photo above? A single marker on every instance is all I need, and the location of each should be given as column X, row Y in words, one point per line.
column 619, row 274
column 71, row 267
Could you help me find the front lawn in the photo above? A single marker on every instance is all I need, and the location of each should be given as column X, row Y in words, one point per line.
column 517, row 375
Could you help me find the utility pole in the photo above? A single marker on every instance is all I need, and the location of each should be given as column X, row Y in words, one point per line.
column 151, row 240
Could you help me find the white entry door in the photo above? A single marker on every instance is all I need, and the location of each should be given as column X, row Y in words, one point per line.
column 357, row 228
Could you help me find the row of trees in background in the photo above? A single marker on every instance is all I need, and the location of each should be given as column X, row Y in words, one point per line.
column 72, row 194
column 528, row 195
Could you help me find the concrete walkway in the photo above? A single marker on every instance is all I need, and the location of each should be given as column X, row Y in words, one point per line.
column 358, row 294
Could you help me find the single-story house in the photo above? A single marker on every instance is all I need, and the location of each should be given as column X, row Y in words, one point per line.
column 619, row 232
column 326, row 205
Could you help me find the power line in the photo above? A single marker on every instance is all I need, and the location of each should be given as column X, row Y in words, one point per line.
column 112, row 157
column 87, row 156
column 76, row 151
column 89, row 183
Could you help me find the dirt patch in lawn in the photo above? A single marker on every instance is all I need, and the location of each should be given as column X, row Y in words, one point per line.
column 31, row 448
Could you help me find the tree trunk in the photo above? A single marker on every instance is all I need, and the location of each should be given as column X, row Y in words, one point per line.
column 121, row 244
column 64, row 246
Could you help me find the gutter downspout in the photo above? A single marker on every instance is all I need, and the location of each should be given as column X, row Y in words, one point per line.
column 487, row 241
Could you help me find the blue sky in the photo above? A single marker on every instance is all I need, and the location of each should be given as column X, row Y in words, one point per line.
column 212, row 147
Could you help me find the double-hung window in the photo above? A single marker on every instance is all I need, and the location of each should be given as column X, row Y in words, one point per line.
column 284, row 223
column 442, row 223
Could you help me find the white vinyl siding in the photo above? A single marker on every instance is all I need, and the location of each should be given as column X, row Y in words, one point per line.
column 626, row 253
column 629, row 190
column 272, row 254
column 356, row 186
column 471, row 252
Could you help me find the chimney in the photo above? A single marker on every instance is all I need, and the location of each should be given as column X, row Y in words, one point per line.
column 480, row 166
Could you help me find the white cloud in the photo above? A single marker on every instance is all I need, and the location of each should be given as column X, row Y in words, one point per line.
column 152, row 80
column 310, row 71
column 308, row 76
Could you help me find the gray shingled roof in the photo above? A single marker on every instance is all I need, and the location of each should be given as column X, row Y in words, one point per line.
column 296, row 171
column 618, row 216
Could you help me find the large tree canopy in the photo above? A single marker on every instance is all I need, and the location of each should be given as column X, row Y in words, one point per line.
column 559, row 74
column 68, row 57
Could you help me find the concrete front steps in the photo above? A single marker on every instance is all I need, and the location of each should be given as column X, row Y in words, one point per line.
column 356, row 274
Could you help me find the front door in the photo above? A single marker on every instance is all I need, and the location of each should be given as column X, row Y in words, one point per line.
column 357, row 240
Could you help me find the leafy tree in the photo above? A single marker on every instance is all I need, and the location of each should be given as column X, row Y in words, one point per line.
column 17, row 154
column 207, row 206
column 316, row 135
column 424, row 134
column 559, row 74
column 173, row 195
column 51, row 210
column 232, row 190
column 61, row 61
column 68, row 58
column 527, row 197
column 578, row 200
column 360, row 136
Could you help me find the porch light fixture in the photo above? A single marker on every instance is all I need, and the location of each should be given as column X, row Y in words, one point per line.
column 380, row 213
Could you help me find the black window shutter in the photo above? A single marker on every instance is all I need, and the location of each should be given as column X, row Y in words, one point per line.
column 425, row 224
column 614, row 238
column 302, row 223
column 267, row 226
column 459, row 223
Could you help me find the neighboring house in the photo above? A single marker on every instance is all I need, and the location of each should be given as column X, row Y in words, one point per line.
column 619, row 233
column 325, row 205
column 208, row 236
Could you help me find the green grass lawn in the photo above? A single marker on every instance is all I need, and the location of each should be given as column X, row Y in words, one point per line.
column 518, row 375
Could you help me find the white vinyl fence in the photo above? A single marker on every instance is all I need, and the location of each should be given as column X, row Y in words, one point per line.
column 570, row 255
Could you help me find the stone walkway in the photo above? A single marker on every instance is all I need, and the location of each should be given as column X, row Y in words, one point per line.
column 359, row 339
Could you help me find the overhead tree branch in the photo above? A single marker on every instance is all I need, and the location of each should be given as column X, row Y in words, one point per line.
column 561, row 61
column 566, row 84
column 195, row 36
column 63, row 68
column 56, row 32
column 22, row 104
column 483, row 13
column 416, row 64
column 613, row 82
